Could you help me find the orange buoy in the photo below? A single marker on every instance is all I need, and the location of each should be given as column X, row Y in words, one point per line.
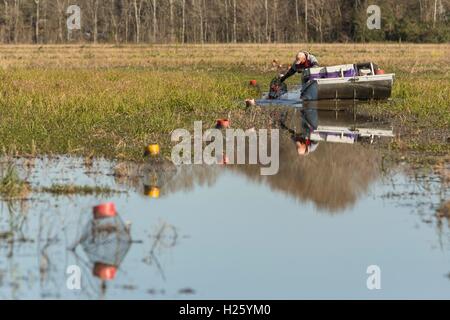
column 105, row 210
column 152, row 149
column 104, row 271
column 379, row 71
column 223, row 123
column 253, row 83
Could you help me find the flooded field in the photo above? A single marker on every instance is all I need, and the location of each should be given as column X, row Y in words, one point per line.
column 225, row 231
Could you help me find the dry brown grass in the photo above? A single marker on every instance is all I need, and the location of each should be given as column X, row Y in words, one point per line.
column 408, row 58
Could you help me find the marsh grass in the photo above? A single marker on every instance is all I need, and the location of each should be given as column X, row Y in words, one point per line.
column 67, row 190
column 109, row 101
column 12, row 187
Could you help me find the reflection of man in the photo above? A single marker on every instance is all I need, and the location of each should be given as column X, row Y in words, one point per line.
column 309, row 121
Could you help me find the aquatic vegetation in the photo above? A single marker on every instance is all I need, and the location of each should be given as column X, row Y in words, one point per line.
column 70, row 189
column 444, row 210
column 12, row 187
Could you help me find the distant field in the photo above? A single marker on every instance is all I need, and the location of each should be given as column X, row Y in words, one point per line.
column 111, row 100
column 408, row 58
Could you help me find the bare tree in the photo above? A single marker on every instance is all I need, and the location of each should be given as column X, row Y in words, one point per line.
column 7, row 19
column 275, row 20
column 155, row 21
column 95, row 9
column 171, row 22
column 306, row 20
column 183, row 21
column 266, row 10
column 317, row 14
column 435, row 13
column 227, row 31
column 234, row 22
column 112, row 11
column 137, row 17
column 37, row 2
column 16, row 20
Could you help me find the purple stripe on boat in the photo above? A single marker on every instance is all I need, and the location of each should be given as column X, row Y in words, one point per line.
column 337, row 74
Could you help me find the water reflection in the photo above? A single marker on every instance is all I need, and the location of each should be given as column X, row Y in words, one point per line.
column 215, row 231
column 105, row 241
column 332, row 176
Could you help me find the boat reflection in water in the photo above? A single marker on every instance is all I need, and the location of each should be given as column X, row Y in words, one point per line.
column 320, row 160
column 317, row 161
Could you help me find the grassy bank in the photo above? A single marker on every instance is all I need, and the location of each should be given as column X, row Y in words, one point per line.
column 112, row 100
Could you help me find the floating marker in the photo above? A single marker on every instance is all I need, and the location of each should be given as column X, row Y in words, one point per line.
column 152, row 150
column 152, row 192
column 253, row 83
column 104, row 271
column 223, row 123
column 105, row 210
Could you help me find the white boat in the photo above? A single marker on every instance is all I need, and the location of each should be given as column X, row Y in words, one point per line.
column 363, row 81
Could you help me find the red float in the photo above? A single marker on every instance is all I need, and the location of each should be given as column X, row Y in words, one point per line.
column 104, row 271
column 223, row 123
column 105, row 210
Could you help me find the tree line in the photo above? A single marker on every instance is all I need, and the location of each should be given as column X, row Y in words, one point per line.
column 222, row 21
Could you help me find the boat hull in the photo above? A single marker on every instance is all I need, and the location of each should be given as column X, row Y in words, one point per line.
column 376, row 87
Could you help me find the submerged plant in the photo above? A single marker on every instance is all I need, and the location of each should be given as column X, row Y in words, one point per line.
column 61, row 189
column 12, row 187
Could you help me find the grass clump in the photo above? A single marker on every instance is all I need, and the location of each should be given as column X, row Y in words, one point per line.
column 12, row 187
column 66, row 190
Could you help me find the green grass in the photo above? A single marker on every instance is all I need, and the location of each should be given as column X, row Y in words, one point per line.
column 112, row 113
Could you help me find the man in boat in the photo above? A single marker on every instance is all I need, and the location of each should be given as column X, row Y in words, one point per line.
column 303, row 60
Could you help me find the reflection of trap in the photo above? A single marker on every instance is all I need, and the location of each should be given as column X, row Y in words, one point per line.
column 106, row 241
column 165, row 237
column 156, row 174
column 277, row 89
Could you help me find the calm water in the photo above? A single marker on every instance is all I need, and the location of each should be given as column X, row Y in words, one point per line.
column 224, row 232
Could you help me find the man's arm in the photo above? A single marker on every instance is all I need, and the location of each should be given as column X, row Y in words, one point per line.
column 288, row 74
